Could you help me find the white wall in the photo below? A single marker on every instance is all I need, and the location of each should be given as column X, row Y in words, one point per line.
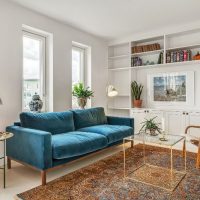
column 165, row 29
column 12, row 17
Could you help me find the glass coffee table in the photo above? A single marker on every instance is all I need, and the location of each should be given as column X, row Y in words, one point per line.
column 166, row 178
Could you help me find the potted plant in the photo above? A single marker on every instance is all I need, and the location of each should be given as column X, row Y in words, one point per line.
column 151, row 126
column 136, row 91
column 82, row 94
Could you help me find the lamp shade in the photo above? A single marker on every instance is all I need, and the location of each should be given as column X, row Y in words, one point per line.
column 111, row 91
column 1, row 102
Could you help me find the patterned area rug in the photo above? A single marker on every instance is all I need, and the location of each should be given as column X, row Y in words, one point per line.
column 104, row 180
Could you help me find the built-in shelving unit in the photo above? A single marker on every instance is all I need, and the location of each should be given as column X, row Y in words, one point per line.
column 120, row 63
column 119, row 68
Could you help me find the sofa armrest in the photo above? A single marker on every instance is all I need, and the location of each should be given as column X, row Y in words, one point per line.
column 30, row 146
column 120, row 121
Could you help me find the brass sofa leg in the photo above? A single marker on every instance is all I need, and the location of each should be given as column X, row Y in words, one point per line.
column 8, row 163
column 43, row 177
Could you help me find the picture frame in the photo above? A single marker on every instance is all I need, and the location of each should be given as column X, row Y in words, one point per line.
column 173, row 88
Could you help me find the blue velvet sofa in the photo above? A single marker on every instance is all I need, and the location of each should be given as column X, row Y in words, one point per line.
column 47, row 140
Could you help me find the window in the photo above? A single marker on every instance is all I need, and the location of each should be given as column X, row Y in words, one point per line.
column 78, row 69
column 33, row 68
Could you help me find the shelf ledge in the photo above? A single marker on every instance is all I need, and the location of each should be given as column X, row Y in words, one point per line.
column 193, row 62
column 184, row 47
column 118, row 69
column 119, row 56
column 114, row 108
column 147, row 53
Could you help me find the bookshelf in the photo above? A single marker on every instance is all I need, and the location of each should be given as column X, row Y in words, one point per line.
column 120, row 63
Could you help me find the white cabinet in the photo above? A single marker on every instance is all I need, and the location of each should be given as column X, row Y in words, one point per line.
column 158, row 114
column 175, row 122
column 140, row 115
column 193, row 118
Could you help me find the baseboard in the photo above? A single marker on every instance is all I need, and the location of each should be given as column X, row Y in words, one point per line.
column 17, row 198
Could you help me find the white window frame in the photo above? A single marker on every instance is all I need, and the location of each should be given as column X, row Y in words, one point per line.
column 42, row 39
column 83, row 62
column 86, row 65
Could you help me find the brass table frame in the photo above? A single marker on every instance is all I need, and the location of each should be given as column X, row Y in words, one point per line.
column 3, row 137
column 172, row 170
column 4, row 163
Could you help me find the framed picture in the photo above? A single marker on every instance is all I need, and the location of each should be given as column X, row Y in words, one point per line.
column 174, row 88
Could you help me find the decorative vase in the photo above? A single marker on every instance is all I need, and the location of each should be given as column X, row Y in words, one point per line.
column 82, row 102
column 36, row 103
column 137, row 103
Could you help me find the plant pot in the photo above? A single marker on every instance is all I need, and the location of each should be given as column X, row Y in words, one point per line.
column 153, row 132
column 82, row 102
column 137, row 103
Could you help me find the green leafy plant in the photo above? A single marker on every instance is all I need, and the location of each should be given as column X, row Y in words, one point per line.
column 82, row 94
column 80, row 91
column 151, row 125
column 136, row 90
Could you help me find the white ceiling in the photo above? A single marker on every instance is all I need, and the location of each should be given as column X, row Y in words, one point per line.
column 112, row 19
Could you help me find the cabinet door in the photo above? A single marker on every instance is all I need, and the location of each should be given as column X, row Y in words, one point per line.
column 193, row 118
column 175, row 122
column 156, row 113
column 139, row 116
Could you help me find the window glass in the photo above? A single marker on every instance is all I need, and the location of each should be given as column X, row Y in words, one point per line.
column 33, row 67
column 78, row 65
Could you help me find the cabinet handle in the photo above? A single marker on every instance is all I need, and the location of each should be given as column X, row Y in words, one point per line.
column 183, row 113
column 186, row 113
column 145, row 111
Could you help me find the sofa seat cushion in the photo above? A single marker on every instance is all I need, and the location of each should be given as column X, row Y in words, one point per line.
column 53, row 122
column 76, row 143
column 113, row 133
column 89, row 117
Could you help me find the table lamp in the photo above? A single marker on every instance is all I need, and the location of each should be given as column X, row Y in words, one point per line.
column 111, row 91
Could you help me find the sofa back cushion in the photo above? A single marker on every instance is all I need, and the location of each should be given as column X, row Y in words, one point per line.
column 89, row 117
column 53, row 122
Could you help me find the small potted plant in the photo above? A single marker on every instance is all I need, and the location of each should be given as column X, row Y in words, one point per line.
column 151, row 126
column 82, row 94
column 136, row 91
